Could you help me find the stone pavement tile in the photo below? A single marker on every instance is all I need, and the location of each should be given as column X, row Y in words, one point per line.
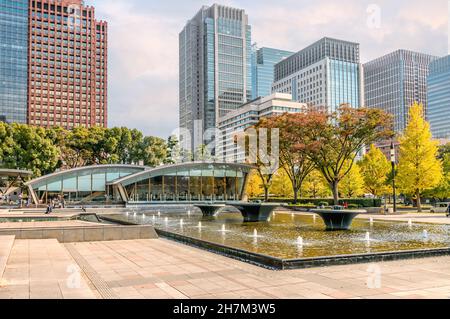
column 155, row 293
column 15, row 292
column 171, row 291
column 195, row 274
column 48, row 265
column 191, row 290
column 127, row 293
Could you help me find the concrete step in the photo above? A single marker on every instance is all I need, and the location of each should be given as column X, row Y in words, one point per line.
column 6, row 244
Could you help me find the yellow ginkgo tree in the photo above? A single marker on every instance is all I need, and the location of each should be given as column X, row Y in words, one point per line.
column 375, row 169
column 419, row 168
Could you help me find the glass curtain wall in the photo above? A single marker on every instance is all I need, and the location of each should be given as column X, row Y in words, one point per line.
column 80, row 186
column 219, row 183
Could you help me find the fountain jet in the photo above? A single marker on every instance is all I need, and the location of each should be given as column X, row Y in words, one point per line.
column 300, row 242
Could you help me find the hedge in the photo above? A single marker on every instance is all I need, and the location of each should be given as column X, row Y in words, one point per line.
column 360, row 202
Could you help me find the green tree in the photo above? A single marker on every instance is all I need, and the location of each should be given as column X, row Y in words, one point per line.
column 375, row 169
column 128, row 148
column 419, row 169
column 173, row 149
column 154, row 151
column 31, row 149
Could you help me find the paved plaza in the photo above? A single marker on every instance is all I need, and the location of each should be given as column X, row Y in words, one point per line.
column 158, row 268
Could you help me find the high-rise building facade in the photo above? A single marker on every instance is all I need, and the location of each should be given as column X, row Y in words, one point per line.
column 395, row 81
column 263, row 65
column 327, row 73
column 439, row 98
column 53, row 62
column 13, row 60
column 215, row 68
column 67, row 78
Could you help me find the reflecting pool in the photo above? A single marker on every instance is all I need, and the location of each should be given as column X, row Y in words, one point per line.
column 292, row 236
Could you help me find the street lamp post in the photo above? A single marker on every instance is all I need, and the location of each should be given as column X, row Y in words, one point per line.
column 393, row 176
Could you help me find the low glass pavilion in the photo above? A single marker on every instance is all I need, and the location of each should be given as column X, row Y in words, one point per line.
column 79, row 185
column 187, row 182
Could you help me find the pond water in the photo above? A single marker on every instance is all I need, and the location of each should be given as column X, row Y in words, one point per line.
column 283, row 235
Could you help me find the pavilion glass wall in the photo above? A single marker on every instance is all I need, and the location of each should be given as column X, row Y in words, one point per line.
column 82, row 186
column 196, row 184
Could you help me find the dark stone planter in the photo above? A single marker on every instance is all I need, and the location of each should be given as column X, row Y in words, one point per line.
column 252, row 212
column 338, row 219
column 255, row 212
column 209, row 210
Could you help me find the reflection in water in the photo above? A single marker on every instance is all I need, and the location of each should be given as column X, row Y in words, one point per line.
column 298, row 236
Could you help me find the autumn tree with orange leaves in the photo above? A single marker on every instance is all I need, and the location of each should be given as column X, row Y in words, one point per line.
column 332, row 140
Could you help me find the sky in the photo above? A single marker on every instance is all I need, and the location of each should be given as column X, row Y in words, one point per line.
column 143, row 42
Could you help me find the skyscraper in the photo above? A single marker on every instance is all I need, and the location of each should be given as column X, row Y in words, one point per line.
column 395, row 81
column 439, row 98
column 67, row 79
column 327, row 74
column 53, row 62
column 215, row 68
column 13, row 60
column 263, row 64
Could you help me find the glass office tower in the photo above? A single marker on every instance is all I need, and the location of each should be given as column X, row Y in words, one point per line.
column 395, row 81
column 439, row 98
column 263, row 63
column 327, row 74
column 215, row 68
column 13, row 60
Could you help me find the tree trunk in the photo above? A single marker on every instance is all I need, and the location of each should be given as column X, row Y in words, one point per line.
column 266, row 194
column 419, row 203
column 295, row 196
column 334, row 189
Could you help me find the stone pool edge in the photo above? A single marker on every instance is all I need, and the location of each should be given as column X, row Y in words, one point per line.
column 274, row 263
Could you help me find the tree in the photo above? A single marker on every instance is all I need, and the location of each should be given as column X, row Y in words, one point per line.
column 260, row 154
column 281, row 184
column 28, row 148
column 315, row 185
column 154, row 151
column 352, row 184
column 442, row 190
column 375, row 169
column 202, row 154
column 419, row 169
column 332, row 140
column 129, row 143
column 173, row 149
column 254, row 186
column 297, row 165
